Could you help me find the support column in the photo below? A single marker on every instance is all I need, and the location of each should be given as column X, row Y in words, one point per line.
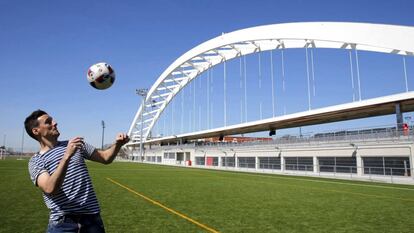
column 256, row 162
column 411, row 162
column 236, row 162
column 359, row 164
column 315, row 164
column 399, row 116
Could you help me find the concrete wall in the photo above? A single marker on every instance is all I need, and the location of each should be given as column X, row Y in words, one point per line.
column 401, row 148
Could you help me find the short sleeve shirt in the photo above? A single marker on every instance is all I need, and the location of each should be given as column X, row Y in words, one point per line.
column 76, row 195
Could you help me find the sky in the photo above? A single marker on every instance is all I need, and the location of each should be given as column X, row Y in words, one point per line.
column 47, row 46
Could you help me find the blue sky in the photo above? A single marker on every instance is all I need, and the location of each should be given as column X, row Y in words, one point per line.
column 47, row 46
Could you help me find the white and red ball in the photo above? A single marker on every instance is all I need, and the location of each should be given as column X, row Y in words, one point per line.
column 101, row 76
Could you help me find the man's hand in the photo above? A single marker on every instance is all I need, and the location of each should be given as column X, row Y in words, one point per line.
column 51, row 183
column 73, row 145
column 121, row 139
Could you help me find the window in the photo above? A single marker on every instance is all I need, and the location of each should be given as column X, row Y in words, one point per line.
column 374, row 165
column 299, row 163
column 346, row 164
column 337, row 164
column 248, row 162
column 327, row 164
column 269, row 163
column 227, row 161
column 171, row 155
column 396, row 166
column 211, row 161
column 200, row 160
column 215, row 161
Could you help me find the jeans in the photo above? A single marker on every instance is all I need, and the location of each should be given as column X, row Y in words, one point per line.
column 85, row 223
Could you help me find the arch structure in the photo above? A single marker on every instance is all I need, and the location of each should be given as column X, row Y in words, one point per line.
column 335, row 35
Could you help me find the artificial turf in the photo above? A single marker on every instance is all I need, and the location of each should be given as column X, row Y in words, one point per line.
column 220, row 200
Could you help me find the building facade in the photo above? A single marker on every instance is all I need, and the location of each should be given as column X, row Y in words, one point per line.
column 374, row 156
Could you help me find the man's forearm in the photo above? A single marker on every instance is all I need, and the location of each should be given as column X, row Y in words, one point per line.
column 110, row 153
column 55, row 180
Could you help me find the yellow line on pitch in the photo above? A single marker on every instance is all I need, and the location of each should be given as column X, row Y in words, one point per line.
column 164, row 207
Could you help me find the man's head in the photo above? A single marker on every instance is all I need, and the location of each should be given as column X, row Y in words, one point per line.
column 40, row 124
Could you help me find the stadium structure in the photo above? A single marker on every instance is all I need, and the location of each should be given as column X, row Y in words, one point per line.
column 378, row 154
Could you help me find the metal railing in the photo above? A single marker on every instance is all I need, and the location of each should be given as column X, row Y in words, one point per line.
column 337, row 169
column 348, row 136
column 387, row 171
column 385, row 174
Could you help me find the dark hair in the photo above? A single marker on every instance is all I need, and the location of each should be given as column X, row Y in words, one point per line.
column 31, row 122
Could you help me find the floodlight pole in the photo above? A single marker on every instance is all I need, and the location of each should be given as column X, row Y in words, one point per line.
column 21, row 152
column 143, row 93
column 3, row 150
column 103, row 133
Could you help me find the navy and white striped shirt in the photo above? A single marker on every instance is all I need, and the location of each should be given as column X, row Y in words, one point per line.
column 76, row 195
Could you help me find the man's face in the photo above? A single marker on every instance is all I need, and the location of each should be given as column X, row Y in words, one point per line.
column 47, row 127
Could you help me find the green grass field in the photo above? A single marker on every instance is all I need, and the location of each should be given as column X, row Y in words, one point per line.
column 219, row 200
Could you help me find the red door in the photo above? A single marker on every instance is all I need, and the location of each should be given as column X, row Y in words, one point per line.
column 209, row 161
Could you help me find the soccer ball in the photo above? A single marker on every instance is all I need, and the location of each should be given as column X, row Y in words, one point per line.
column 101, row 76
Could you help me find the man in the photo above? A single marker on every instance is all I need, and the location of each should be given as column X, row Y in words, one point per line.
column 60, row 171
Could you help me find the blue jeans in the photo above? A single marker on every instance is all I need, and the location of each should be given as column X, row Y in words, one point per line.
column 85, row 223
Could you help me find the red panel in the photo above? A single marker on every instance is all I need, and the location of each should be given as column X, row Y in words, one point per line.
column 209, row 161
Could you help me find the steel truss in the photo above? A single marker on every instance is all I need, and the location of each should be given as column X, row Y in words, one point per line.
column 335, row 35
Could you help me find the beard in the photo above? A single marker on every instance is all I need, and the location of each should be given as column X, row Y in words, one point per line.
column 56, row 133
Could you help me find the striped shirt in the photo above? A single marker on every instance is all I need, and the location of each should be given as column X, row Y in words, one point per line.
column 76, row 195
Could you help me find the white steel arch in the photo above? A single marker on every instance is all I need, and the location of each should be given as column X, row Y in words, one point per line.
column 336, row 35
